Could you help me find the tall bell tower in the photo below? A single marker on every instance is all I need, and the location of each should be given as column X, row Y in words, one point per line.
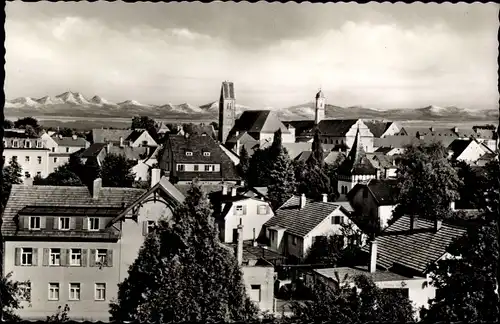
column 319, row 110
column 227, row 113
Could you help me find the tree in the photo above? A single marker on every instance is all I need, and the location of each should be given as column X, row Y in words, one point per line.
column 281, row 175
column 28, row 121
column 12, row 293
column 317, row 156
column 116, row 171
column 259, row 169
column 244, row 164
column 62, row 176
column 11, row 174
column 8, row 124
column 92, row 171
column 184, row 273
column 348, row 305
column 427, row 182
column 60, row 316
column 30, row 131
column 147, row 123
column 66, row 132
column 215, row 125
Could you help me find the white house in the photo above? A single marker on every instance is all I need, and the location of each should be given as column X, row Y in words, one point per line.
column 61, row 148
column 468, row 150
column 300, row 221
column 123, row 137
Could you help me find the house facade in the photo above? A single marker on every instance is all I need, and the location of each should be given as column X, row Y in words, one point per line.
column 123, row 137
column 61, row 148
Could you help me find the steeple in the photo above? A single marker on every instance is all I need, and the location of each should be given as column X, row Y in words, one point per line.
column 356, row 162
column 227, row 114
column 319, row 111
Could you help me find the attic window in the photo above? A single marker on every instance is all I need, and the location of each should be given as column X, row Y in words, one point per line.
column 189, row 153
column 206, row 153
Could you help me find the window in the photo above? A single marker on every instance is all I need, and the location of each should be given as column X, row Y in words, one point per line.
column 100, row 291
column 38, row 144
column 34, row 222
column 262, row 210
column 64, row 223
column 206, row 153
column 207, row 167
column 27, row 174
column 93, row 224
column 75, row 257
column 27, row 144
column 337, row 220
column 294, row 240
column 53, row 291
column 74, row 291
column 39, row 173
column 189, row 153
column 53, row 149
column 55, row 257
column 39, row 160
column 25, row 288
column 26, row 256
column 101, row 256
column 67, row 149
column 180, row 167
column 196, row 167
column 151, row 226
column 27, row 159
column 15, row 144
column 255, row 293
column 55, row 160
column 239, row 210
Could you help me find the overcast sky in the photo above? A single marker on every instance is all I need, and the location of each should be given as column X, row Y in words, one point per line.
column 373, row 55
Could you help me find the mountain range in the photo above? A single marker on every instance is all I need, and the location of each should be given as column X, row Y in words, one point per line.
column 75, row 104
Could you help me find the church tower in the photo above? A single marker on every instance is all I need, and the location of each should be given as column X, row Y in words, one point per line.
column 319, row 108
column 227, row 114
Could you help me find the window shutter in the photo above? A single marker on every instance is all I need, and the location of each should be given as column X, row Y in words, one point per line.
column 55, row 222
column 92, row 258
column 72, row 222
column 85, row 223
column 17, row 261
column 144, row 228
column 244, row 209
column 45, row 261
column 49, row 222
column 79, row 223
column 109, row 258
column 64, row 257
column 43, row 221
column 84, row 257
column 35, row 256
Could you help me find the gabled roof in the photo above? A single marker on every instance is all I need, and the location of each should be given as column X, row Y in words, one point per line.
column 134, row 135
column 384, row 192
column 377, row 128
column 332, row 156
column 110, row 135
column 258, row 121
column 397, row 247
column 199, row 129
column 382, row 161
column 350, row 273
column 131, row 153
column 22, row 196
column 298, row 221
column 70, row 141
column 336, row 127
column 93, row 150
column 356, row 162
column 294, row 149
column 303, row 156
column 458, row 146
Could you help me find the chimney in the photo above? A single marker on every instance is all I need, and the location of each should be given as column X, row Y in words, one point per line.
column 239, row 248
column 155, row 176
column 302, row 201
column 432, row 128
column 325, row 197
column 96, row 187
column 452, row 205
column 242, row 183
column 121, row 141
column 455, row 129
column 437, row 225
column 233, row 191
column 413, row 223
column 373, row 256
column 224, row 190
column 237, row 133
column 238, row 147
column 108, row 147
column 130, row 143
column 74, row 137
column 254, row 238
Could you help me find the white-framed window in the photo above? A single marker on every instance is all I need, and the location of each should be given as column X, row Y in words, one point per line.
column 53, row 149
column 15, row 144
column 74, row 291
column 100, row 291
column 238, row 210
column 262, row 209
column 101, row 256
column 27, row 159
column 26, row 256
column 207, row 167
column 39, row 173
column 38, row 144
column 64, row 223
column 93, row 223
column 206, row 153
column 39, row 160
column 27, row 174
column 25, row 288
column 196, row 167
column 189, row 153
column 180, row 167
column 67, row 149
column 75, row 257
column 34, row 222
column 54, row 291
column 55, row 257
column 337, row 220
column 294, row 240
column 27, row 144
column 151, row 226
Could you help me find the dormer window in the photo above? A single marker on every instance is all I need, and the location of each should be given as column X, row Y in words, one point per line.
column 206, row 153
column 15, row 144
column 38, row 144
column 189, row 153
column 27, row 144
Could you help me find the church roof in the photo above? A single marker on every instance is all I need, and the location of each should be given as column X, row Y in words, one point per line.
column 320, row 94
column 357, row 162
column 227, row 90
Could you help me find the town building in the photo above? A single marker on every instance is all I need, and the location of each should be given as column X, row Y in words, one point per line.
column 29, row 151
column 386, row 165
column 301, row 221
column 467, row 150
column 62, row 147
column 381, row 129
column 123, row 137
column 196, row 156
column 227, row 110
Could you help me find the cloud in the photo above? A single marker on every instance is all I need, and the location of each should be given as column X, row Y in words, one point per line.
column 382, row 64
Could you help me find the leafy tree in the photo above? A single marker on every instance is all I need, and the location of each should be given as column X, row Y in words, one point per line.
column 11, row 174
column 60, row 316
column 28, row 121
column 349, row 305
column 427, row 182
column 8, row 124
column 281, row 175
column 92, row 171
column 147, row 123
column 116, row 171
column 244, row 162
column 66, row 132
column 259, row 169
column 12, row 294
column 184, row 273
column 62, row 176
column 317, row 156
column 30, row 131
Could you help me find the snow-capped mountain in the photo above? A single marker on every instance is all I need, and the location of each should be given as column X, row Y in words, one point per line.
column 213, row 107
column 23, row 101
column 47, row 100
column 100, row 101
column 132, row 103
column 73, row 98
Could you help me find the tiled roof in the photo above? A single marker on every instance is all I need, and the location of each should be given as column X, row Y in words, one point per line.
column 384, row 191
column 294, row 149
column 376, row 276
column 430, row 131
column 298, row 221
column 131, row 153
column 382, row 161
column 93, row 150
column 336, row 127
column 302, row 127
column 395, row 141
column 304, row 156
column 58, row 196
column 199, row 129
column 258, row 121
column 110, row 135
column 414, row 251
column 377, row 128
column 70, row 141
column 207, row 188
column 486, row 133
column 251, row 252
column 134, row 135
column 333, row 156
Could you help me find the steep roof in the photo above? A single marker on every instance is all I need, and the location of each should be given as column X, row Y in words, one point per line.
column 258, row 121
column 377, row 128
column 384, row 191
column 109, row 135
column 332, row 156
column 336, row 127
column 93, row 150
column 298, row 221
column 458, row 146
column 63, row 196
column 294, row 149
column 70, row 141
column 356, row 162
column 131, row 153
column 199, row 129
column 396, row 246
column 303, row 156
column 382, row 161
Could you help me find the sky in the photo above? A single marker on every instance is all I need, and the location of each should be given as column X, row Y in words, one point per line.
column 380, row 56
